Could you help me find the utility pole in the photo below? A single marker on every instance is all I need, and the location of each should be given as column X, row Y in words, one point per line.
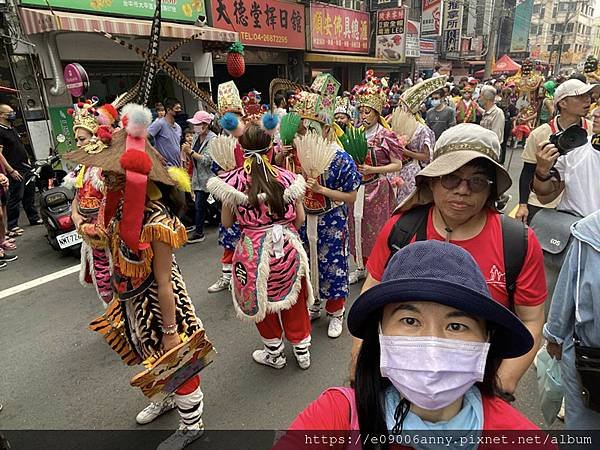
column 493, row 39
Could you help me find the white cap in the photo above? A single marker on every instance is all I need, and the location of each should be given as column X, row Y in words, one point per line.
column 573, row 88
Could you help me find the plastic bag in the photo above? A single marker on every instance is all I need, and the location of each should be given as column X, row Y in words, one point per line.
column 550, row 387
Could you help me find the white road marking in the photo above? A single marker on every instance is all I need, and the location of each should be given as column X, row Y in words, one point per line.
column 38, row 281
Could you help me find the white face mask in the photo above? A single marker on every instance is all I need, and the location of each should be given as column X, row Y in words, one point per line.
column 435, row 103
column 432, row 372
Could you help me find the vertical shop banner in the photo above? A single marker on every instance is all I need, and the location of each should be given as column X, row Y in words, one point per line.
column 335, row 29
column 430, row 17
column 413, row 47
column 520, row 34
column 262, row 23
column 453, row 15
column 62, row 128
column 390, row 39
column 175, row 10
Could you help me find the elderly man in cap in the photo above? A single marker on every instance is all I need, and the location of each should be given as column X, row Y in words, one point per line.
column 492, row 117
column 198, row 151
column 572, row 101
column 455, row 201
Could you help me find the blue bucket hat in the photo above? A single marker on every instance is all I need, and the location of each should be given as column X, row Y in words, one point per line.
column 443, row 273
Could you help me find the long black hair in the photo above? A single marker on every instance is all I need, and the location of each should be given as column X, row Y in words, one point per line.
column 263, row 181
column 172, row 198
column 369, row 385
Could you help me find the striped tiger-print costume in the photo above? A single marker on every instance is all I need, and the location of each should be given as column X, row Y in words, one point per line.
column 134, row 317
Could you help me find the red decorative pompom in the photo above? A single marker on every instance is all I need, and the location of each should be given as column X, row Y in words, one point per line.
column 70, row 111
column 80, row 104
column 104, row 133
column 125, row 121
column 110, row 109
column 136, row 161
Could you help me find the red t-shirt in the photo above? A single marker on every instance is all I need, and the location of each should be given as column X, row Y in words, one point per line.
column 331, row 411
column 488, row 251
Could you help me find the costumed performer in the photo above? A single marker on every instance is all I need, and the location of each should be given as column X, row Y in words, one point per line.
column 88, row 182
column 466, row 108
column 325, row 204
column 344, row 113
column 139, row 226
column 376, row 192
column 270, row 284
column 232, row 112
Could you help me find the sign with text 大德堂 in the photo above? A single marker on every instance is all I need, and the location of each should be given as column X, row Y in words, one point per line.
column 335, row 29
column 261, row 23
column 171, row 10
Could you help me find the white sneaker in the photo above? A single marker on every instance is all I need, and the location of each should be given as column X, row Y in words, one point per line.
column 336, row 325
column 221, row 284
column 265, row 358
column 303, row 360
column 561, row 412
column 357, row 275
column 153, row 410
column 183, row 437
column 314, row 313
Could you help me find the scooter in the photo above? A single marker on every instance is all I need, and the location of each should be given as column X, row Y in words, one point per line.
column 55, row 206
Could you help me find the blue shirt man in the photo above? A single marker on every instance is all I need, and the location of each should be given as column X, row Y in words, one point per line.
column 167, row 134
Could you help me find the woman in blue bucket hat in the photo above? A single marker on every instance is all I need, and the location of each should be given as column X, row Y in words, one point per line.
column 433, row 339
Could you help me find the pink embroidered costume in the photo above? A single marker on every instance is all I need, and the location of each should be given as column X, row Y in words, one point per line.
column 270, row 267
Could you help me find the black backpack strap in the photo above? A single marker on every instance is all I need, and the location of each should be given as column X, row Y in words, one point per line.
column 413, row 222
column 514, row 243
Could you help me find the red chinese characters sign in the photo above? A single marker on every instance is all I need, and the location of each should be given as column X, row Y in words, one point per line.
column 262, row 23
column 334, row 29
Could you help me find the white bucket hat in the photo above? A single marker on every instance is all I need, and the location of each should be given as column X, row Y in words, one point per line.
column 456, row 147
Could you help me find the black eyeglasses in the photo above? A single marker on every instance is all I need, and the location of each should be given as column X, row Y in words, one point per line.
column 475, row 183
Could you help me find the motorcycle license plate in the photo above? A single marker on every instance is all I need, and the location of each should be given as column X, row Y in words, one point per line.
column 68, row 239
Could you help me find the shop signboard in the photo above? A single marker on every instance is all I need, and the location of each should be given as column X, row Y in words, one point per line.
column 62, row 128
column 430, row 17
column 335, row 29
column 171, row 10
column 376, row 5
column 390, row 39
column 427, row 46
column 261, row 23
column 76, row 79
column 452, row 28
column 413, row 49
column 520, row 34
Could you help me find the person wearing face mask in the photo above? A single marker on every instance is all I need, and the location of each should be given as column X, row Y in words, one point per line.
column 202, row 160
column 440, row 116
column 18, row 166
column 167, row 133
column 433, row 338
column 326, row 205
column 455, row 200
column 466, row 108
column 384, row 156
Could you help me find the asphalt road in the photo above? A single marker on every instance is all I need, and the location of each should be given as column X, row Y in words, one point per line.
column 56, row 374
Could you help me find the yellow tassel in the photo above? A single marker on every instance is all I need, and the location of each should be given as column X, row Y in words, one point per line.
column 248, row 165
column 79, row 179
column 163, row 233
column 181, row 178
column 153, row 192
column 384, row 123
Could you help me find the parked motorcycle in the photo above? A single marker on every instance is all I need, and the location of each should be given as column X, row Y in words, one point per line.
column 55, row 205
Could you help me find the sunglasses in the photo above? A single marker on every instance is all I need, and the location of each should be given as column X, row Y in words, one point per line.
column 475, row 183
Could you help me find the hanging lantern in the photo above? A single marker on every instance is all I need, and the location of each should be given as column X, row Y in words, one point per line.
column 236, row 66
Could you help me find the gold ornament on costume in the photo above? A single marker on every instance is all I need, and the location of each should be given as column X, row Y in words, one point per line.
column 84, row 116
column 371, row 92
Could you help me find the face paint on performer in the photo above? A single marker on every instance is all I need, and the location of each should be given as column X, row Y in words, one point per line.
column 368, row 117
column 342, row 120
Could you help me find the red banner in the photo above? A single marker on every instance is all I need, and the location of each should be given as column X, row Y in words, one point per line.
column 261, row 23
column 335, row 29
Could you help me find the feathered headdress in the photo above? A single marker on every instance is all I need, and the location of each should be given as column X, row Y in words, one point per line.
column 318, row 103
column 131, row 154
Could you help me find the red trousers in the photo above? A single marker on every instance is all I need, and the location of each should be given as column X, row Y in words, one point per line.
column 334, row 305
column 189, row 386
column 294, row 322
column 227, row 257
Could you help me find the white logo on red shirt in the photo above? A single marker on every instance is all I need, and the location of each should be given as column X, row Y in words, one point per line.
column 497, row 278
